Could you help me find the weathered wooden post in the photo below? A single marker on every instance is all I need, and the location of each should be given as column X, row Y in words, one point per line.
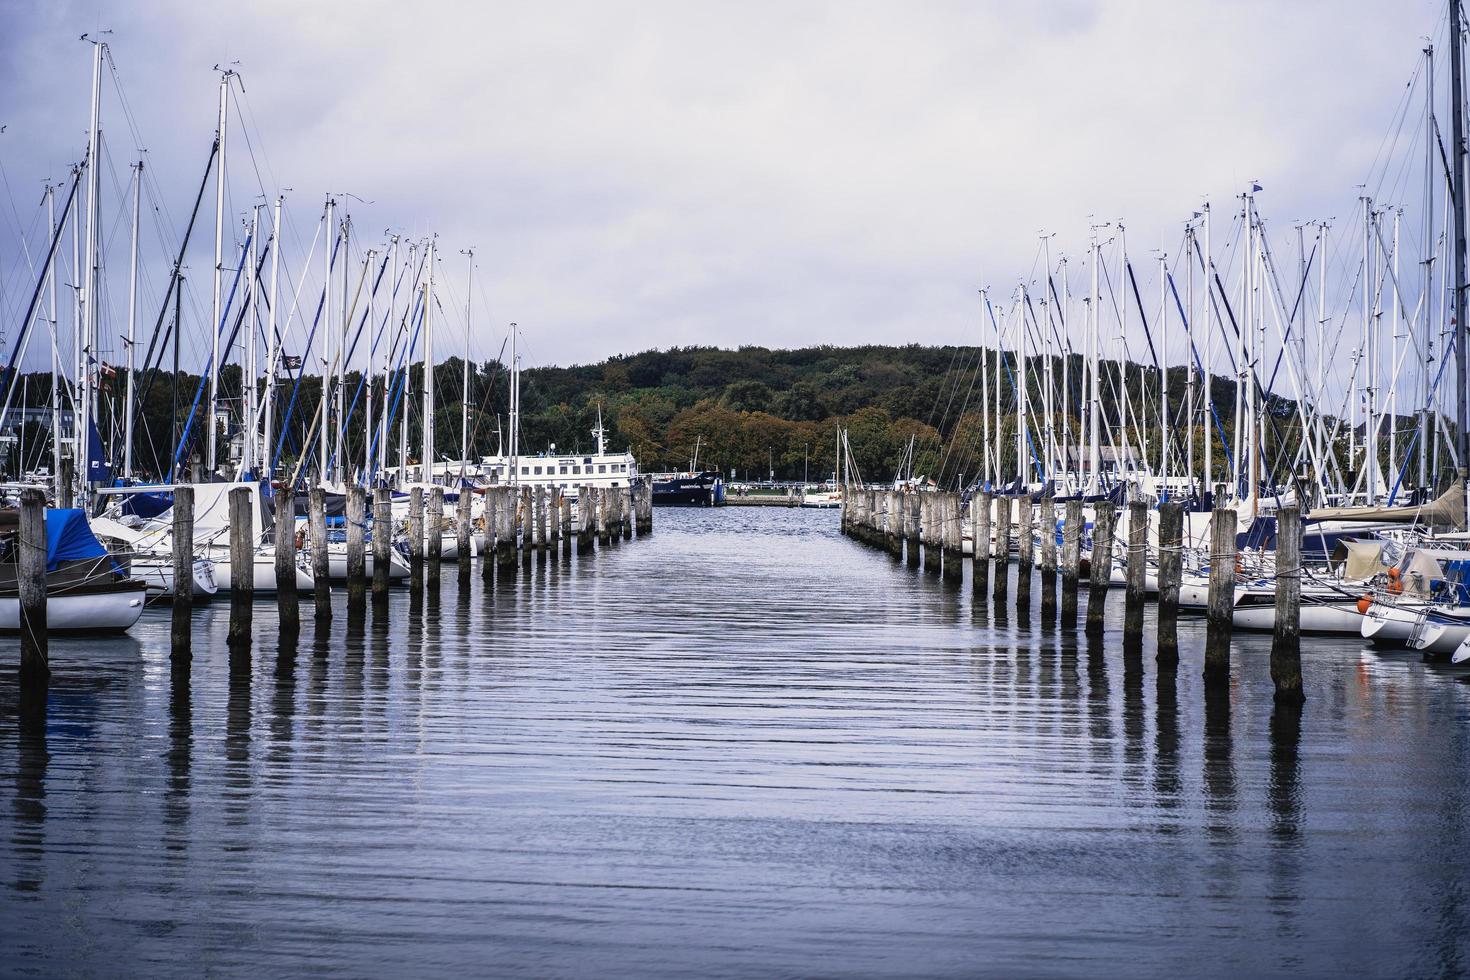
column 321, row 556
column 911, row 505
column 242, row 566
column 463, row 526
column 564, row 521
column 382, row 542
column 30, row 575
column 1220, row 610
column 538, row 517
column 506, row 556
column 1071, row 557
column 645, row 505
column 1171, row 566
column 1101, row 564
column 490, row 516
column 1025, row 549
column 1002, row 547
column 553, row 520
column 980, row 564
column 416, row 538
column 954, row 540
column 288, row 601
column 527, row 514
column 356, row 546
column 927, row 522
column 1137, row 571
column 183, row 609
column 586, row 508
column 435, row 536
column 1048, row 534
column 1286, row 638
column 625, row 511
column 602, row 516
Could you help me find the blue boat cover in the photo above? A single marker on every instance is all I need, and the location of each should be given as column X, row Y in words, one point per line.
column 69, row 537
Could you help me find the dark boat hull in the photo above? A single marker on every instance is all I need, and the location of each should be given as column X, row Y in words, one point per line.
column 704, row 490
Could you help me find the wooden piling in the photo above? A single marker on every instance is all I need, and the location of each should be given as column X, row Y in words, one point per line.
column 1002, row 550
column 382, row 541
column 416, row 538
column 506, row 500
column 1025, row 548
column 490, row 518
column 527, row 515
column 980, row 565
column 183, row 540
column 1101, row 563
column 1137, row 571
column 1171, row 566
column 1220, row 611
column 1071, row 557
column 288, row 601
column 242, row 566
column 586, row 507
column 553, row 520
column 1286, row 638
column 600, row 496
column 30, row 575
column 356, row 546
column 1048, row 535
column 564, row 505
column 538, row 510
column 321, row 558
column 434, row 533
column 954, row 539
column 463, row 528
column 625, row 510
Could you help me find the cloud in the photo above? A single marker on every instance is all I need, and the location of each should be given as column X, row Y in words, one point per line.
column 673, row 173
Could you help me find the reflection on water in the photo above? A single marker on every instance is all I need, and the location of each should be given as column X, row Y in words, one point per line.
column 744, row 745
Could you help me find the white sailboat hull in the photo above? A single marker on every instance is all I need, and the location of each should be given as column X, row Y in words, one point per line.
column 112, row 611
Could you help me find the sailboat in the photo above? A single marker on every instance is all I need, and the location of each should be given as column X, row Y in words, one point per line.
column 87, row 590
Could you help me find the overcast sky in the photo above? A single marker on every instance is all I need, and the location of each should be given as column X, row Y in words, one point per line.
column 655, row 174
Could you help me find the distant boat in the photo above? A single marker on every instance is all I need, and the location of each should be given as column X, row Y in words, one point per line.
column 87, row 592
column 704, row 489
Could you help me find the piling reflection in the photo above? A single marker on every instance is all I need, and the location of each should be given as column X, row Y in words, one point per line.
column 33, row 757
column 238, row 712
column 1219, row 763
column 1167, row 783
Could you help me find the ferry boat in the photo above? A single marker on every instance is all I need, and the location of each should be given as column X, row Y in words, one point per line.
column 703, row 489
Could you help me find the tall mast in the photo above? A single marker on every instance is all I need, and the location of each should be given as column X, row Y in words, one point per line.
column 1094, row 420
column 273, row 353
column 339, row 387
column 515, row 408
column 369, row 375
column 1066, row 374
column 132, row 325
column 55, row 353
column 1191, row 379
column 249, row 431
column 1393, row 357
column 1427, row 289
column 464, row 400
column 427, row 471
column 984, row 400
column 1163, row 333
column 1208, row 395
column 1462, row 330
column 326, row 360
column 219, row 244
column 383, row 430
column 86, row 410
column 1022, row 394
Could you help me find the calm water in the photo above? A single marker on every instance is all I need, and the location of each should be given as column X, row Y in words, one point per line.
column 743, row 746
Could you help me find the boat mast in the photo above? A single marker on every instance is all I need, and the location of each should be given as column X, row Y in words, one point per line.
column 1462, row 330
column 1190, row 377
column 1427, row 290
column 86, row 409
column 273, row 352
column 515, row 407
column 1209, row 396
column 326, row 359
column 464, row 399
column 219, row 244
column 248, row 431
column 426, row 471
column 984, row 400
column 1163, row 331
column 55, row 353
column 1094, row 419
column 132, row 325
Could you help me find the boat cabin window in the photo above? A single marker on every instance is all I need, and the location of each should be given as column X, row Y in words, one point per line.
column 602, row 468
column 587, row 459
column 563, row 469
column 576, row 470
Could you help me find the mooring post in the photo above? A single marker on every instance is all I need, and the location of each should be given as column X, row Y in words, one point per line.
column 538, row 518
column 505, row 530
column 490, row 518
column 1171, row 567
column 1002, row 583
column 288, row 601
column 416, row 538
column 1101, row 571
column 183, row 572
column 564, row 522
column 435, row 536
column 382, row 542
column 356, row 546
column 909, row 501
column 242, row 566
column 625, row 510
column 1071, row 557
column 527, row 514
column 1025, row 549
column 1137, row 570
column 30, row 575
column 553, row 520
column 980, row 555
column 602, row 515
column 1221, row 603
column 954, row 540
column 586, row 508
column 1048, row 535
column 321, row 556
column 463, row 542
column 645, row 505
column 1286, row 638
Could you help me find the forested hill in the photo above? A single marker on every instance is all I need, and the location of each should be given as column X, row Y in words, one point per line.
column 751, row 410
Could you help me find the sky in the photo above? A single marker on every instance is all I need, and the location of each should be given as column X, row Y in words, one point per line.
column 646, row 175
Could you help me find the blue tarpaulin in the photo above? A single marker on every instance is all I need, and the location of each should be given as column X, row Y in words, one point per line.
column 69, row 538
